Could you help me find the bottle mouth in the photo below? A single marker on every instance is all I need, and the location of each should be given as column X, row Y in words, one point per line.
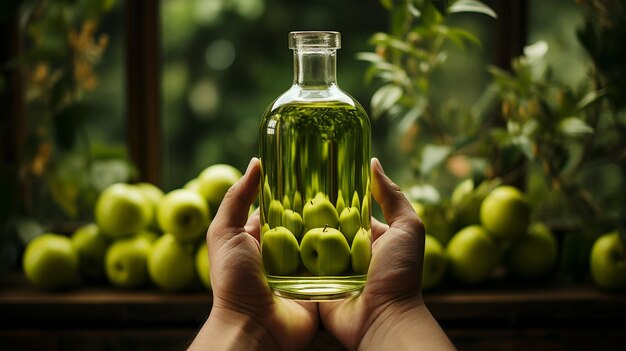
column 314, row 40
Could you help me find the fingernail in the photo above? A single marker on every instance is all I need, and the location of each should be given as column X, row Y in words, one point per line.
column 250, row 164
column 379, row 165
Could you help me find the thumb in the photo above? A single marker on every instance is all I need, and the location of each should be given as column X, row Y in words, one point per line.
column 232, row 214
column 396, row 208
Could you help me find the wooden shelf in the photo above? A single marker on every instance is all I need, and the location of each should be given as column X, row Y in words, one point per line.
column 539, row 317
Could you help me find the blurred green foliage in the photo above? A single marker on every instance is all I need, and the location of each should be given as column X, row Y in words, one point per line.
column 560, row 139
column 407, row 67
column 555, row 122
column 62, row 168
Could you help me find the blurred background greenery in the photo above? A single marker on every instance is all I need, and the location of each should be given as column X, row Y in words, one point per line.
column 224, row 61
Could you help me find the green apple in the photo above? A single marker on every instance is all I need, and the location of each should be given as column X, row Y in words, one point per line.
column 297, row 202
column 473, row 254
column 286, row 203
column 366, row 220
column 265, row 228
column 320, row 195
column 293, row 221
column 356, row 201
column 91, row 246
column 461, row 190
column 122, row 210
column 466, row 201
column 318, row 213
column 437, row 220
column 341, row 204
column 325, row 251
column 202, row 265
column 50, row 262
column 608, row 262
column 193, row 185
column 151, row 191
column 350, row 223
column 534, row 254
column 275, row 213
column 148, row 235
column 434, row 267
column 215, row 181
column 125, row 262
column 505, row 212
column 361, row 252
column 279, row 250
column 154, row 195
column 184, row 214
column 171, row 263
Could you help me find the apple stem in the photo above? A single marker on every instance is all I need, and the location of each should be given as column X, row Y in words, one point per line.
column 325, row 226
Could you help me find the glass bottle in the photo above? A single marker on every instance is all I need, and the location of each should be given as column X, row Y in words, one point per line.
column 315, row 150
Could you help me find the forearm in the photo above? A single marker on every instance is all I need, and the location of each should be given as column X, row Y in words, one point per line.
column 408, row 327
column 228, row 330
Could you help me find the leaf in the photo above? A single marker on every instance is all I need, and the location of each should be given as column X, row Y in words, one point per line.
column 433, row 156
column 536, row 50
column 530, row 127
column 413, row 10
column 589, row 99
column 431, row 15
column 445, row 31
column 425, row 194
column 384, row 98
column 513, row 127
column 574, row 127
column 472, row 6
column 467, row 36
column 388, row 4
column 524, row 144
column 369, row 57
column 400, row 18
column 398, row 44
column 414, row 113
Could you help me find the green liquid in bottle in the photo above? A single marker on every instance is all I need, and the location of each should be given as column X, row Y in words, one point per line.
column 315, row 159
column 315, row 180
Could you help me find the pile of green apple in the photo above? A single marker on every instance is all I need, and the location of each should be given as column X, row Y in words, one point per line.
column 141, row 236
column 315, row 237
column 489, row 227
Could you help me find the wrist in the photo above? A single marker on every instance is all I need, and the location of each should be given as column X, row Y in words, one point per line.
column 227, row 329
column 404, row 325
column 386, row 317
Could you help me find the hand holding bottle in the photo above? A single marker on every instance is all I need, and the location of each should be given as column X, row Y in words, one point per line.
column 246, row 315
column 390, row 313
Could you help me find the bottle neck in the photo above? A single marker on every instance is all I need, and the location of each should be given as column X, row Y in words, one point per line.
column 315, row 68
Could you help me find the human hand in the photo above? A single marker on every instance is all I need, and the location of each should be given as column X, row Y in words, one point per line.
column 390, row 312
column 245, row 313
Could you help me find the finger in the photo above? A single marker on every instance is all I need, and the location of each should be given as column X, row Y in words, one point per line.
column 253, row 226
column 233, row 211
column 378, row 228
column 395, row 206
